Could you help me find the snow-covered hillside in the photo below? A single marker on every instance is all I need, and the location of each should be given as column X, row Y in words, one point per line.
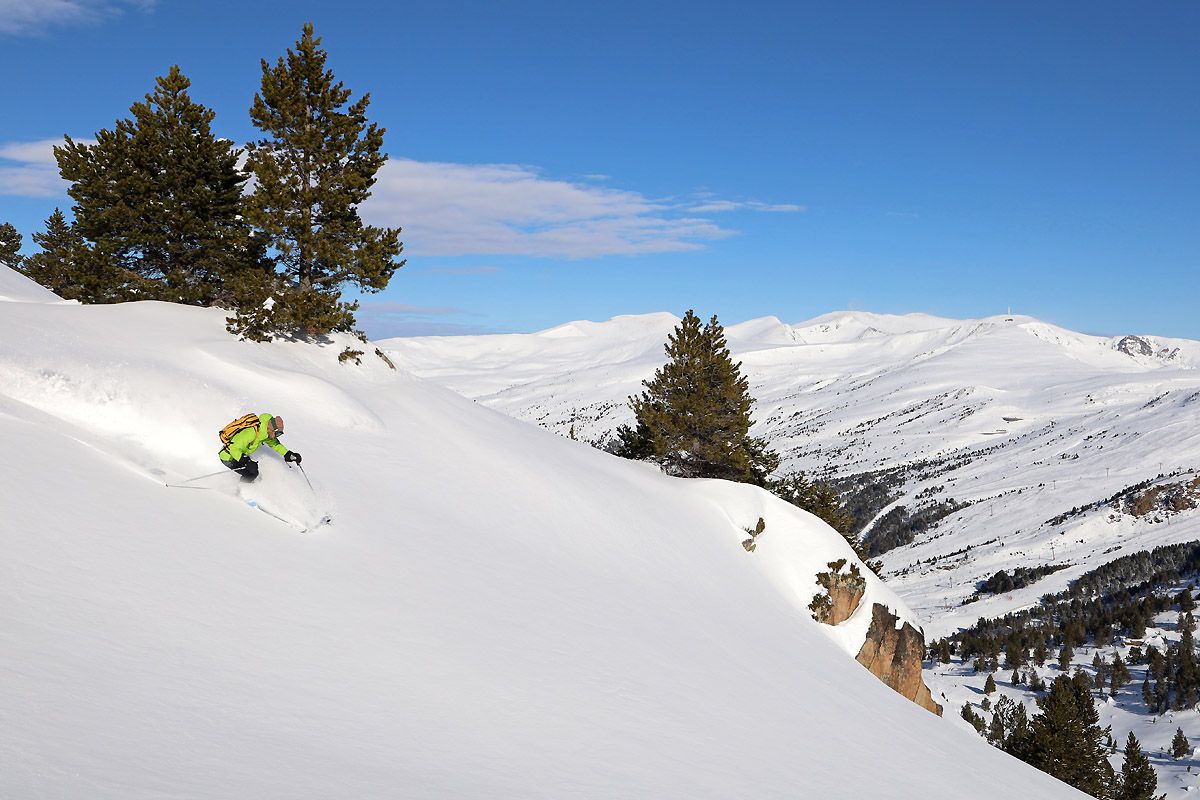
column 1016, row 420
column 494, row 612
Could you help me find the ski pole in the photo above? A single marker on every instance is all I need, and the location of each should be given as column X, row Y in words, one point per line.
column 209, row 475
column 197, row 478
column 305, row 474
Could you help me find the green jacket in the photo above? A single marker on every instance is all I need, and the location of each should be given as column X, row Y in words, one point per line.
column 246, row 442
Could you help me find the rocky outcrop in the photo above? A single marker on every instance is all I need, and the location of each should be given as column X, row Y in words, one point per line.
column 895, row 656
column 1135, row 346
column 843, row 592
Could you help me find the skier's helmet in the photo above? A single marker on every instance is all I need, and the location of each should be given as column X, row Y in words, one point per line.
column 275, row 427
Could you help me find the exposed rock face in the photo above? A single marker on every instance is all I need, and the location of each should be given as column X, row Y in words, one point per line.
column 843, row 592
column 894, row 656
column 845, row 595
column 1135, row 346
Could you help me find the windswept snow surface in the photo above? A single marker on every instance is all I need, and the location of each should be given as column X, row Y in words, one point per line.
column 495, row 612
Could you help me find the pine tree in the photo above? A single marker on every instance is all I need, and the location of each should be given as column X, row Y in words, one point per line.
column 1064, row 657
column 989, row 686
column 1119, row 675
column 1156, row 663
column 1019, row 740
column 1066, row 740
column 1185, row 600
column 1039, row 653
column 1137, row 780
column 696, row 411
column 1015, row 654
column 1015, row 680
column 1161, row 696
column 1179, row 745
column 974, row 719
column 315, row 165
column 1148, row 696
column 158, row 203
column 634, row 443
column 1137, row 629
column 822, row 500
column 1187, row 671
column 56, row 265
column 10, row 246
column 995, row 729
column 1101, row 667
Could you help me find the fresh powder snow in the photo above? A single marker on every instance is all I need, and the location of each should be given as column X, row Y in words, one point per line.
column 495, row 611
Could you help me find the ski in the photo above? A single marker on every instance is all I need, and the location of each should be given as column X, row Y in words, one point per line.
column 324, row 520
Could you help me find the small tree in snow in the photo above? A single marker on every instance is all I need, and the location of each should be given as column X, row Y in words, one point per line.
column 1137, row 780
column 1179, row 745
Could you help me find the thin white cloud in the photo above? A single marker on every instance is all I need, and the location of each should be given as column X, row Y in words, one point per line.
column 25, row 17
column 485, row 270
column 718, row 206
column 506, row 209
column 28, row 169
column 40, row 152
column 451, row 209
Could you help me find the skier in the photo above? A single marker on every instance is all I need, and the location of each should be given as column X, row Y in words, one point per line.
column 243, row 436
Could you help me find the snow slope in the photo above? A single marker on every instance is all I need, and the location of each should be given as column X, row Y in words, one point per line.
column 16, row 288
column 495, row 612
column 1020, row 420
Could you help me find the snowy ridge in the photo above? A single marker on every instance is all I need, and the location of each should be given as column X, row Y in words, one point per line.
column 495, row 612
column 16, row 288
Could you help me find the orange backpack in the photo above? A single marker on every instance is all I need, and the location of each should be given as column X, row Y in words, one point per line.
column 237, row 426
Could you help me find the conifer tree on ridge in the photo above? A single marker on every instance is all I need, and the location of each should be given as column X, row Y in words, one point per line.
column 55, row 266
column 694, row 415
column 315, row 164
column 10, row 246
column 157, row 203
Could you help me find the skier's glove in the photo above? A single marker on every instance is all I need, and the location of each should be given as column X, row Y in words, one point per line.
column 292, row 457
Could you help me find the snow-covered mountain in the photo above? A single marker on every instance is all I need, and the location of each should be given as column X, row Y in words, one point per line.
column 494, row 611
column 1001, row 443
column 1016, row 421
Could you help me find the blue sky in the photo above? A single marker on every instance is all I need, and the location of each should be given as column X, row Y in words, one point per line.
column 555, row 161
